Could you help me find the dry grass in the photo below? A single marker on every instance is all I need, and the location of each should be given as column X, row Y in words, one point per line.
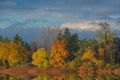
column 18, row 71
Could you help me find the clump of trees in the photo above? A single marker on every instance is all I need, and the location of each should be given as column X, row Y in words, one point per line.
column 12, row 52
column 61, row 48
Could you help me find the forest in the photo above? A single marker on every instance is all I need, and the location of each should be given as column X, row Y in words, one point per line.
column 62, row 49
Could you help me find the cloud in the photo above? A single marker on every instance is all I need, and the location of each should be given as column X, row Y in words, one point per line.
column 67, row 9
column 81, row 26
column 89, row 26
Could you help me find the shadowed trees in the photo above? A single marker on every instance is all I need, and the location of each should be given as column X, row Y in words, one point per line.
column 71, row 43
column 106, row 41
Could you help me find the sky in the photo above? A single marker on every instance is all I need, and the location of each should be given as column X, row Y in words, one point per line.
column 82, row 14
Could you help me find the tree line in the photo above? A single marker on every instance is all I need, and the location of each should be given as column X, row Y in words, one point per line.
column 61, row 48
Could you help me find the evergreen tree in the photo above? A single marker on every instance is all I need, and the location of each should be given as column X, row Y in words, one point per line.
column 17, row 38
column 116, row 54
column 72, row 44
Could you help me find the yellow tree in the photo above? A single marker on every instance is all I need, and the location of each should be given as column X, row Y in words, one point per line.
column 89, row 55
column 12, row 53
column 58, row 54
column 18, row 53
column 40, row 58
column 4, row 54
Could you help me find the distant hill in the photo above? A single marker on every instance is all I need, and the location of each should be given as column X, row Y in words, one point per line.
column 30, row 33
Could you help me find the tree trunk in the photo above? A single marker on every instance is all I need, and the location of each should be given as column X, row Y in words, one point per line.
column 6, row 64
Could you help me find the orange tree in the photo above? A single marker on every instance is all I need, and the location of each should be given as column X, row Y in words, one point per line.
column 58, row 53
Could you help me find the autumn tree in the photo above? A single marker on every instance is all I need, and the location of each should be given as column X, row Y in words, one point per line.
column 12, row 54
column 106, row 41
column 18, row 53
column 40, row 58
column 58, row 54
column 89, row 55
column 4, row 54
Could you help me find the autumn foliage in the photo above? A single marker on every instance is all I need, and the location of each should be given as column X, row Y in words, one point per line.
column 58, row 54
column 40, row 58
column 12, row 53
column 89, row 55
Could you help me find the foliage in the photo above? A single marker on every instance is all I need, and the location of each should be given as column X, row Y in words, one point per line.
column 116, row 54
column 4, row 39
column 101, row 53
column 18, row 53
column 72, row 44
column 17, row 38
column 71, row 64
column 41, row 77
column 65, row 49
column 106, row 38
column 58, row 54
column 40, row 58
column 89, row 55
column 13, row 53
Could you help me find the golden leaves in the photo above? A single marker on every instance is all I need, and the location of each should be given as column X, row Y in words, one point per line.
column 39, row 58
column 58, row 54
column 89, row 55
column 13, row 52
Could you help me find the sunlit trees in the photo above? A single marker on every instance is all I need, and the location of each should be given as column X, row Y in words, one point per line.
column 89, row 55
column 4, row 54
column 18, row 53
column 58, row 54
column 40, row 58
column 12, row 53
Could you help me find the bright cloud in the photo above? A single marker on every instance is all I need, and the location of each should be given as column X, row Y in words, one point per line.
column 81, row 26
column 88, row 26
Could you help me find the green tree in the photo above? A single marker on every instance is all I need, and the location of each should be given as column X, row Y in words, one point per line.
column 72, row 44
column 1, row 38
column 6, row 39
column 17, row 38
column 59, row 36
column 116, row 54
